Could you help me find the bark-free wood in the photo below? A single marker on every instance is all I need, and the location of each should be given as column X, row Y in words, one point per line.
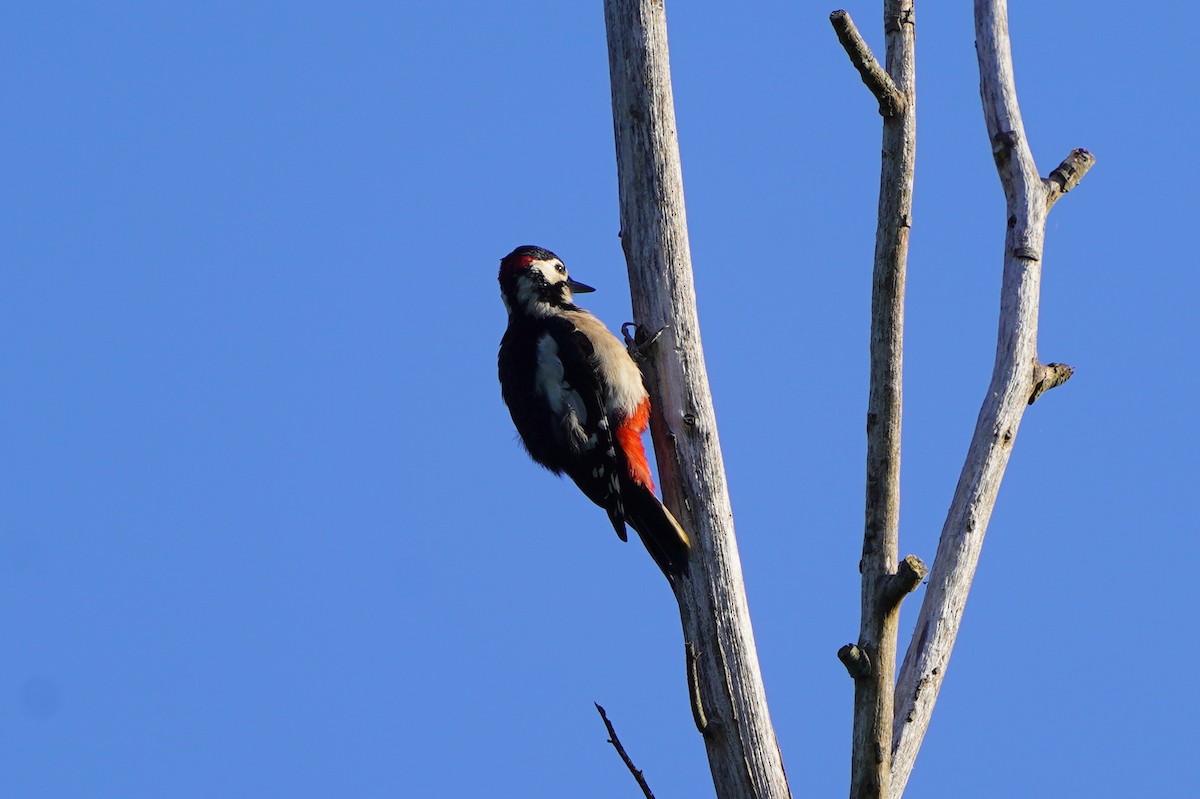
column 726, row 688
column 1012, row 387
column 894, row 86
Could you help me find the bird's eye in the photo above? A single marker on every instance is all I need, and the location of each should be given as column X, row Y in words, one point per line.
column 562, row 270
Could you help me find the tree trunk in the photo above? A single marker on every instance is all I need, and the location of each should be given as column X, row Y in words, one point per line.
column 727, row 694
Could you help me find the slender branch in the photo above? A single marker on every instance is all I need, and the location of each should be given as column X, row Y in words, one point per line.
column 616, row 742
column 1028, row 200
column 891, row 99
column 725, row 682
column 883, row 586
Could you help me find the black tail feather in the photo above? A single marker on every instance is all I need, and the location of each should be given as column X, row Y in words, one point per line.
column 664, row 537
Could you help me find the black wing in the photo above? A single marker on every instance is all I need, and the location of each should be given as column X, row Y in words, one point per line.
column 549, row 376
column 595, row 467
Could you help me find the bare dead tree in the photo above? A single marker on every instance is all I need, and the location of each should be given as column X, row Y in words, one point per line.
column 728, row 699
column 724, row 681
column 887, row 734
column 1018, row 379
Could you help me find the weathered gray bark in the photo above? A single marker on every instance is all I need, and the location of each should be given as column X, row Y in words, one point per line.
column 727, row 694
column 884, row 581
column 1018, row 379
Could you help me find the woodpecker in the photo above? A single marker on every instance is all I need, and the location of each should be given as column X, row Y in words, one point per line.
column 578, row 402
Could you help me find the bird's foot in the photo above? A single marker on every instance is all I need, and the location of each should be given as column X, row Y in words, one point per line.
column 639, row 343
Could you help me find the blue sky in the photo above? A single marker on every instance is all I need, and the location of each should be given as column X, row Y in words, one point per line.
column 264, row 526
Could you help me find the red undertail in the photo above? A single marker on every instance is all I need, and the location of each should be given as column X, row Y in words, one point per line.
column 629, row 439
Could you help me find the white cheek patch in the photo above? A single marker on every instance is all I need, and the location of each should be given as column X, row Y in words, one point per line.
column 529, row 287
column 548, row 271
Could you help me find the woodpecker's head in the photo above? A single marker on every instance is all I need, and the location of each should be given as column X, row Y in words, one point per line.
column 534, row 282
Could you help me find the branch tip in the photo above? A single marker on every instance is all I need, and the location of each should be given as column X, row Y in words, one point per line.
column 914, row 566
column 891, row 100
column 909, row 574
column 1051, row 375
column 856, row 661
column 616, row 742
column 1067, row 175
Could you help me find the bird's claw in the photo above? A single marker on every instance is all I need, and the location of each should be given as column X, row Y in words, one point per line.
column 638, row 344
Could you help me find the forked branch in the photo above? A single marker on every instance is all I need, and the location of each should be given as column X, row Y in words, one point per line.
column 1017, row 380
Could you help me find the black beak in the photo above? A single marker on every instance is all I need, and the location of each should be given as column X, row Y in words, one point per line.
column 578, row 288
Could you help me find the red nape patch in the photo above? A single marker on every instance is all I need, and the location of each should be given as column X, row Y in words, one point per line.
column 629, row 439
column 519, row 259
column 514, row 263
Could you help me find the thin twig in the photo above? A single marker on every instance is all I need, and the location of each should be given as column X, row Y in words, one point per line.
column 616, row 742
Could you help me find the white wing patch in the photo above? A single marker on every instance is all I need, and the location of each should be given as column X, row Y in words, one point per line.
column 550, row 381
